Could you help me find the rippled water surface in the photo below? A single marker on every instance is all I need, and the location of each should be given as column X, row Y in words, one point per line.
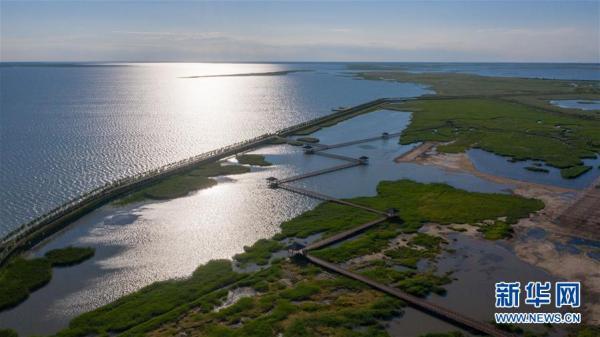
column 68, row 129
column 140, row 244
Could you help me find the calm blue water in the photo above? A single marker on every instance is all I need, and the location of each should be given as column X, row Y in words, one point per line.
column 66, row 129
column 143, row 243
column 502, row 166
column 577, row 104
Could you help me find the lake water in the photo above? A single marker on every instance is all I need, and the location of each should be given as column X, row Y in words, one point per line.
column 144, row 243
column 491, row 163
column 68, row 129
column 577, row 104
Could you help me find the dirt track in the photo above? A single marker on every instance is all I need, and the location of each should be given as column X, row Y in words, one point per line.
column 415, row 153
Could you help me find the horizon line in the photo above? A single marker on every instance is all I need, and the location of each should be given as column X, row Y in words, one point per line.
column 267, row 61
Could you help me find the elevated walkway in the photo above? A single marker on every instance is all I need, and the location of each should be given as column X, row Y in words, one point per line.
column 343, row 235
column 359, row 141
column 418, row 302
column 320, row 196
column 318, row 172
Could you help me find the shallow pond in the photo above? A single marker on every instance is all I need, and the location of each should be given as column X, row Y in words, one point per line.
column 363, row 180
column 583, row 104
column 494, row 164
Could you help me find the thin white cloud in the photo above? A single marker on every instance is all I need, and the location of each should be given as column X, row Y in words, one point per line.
column 515, row 44
column 172, row 35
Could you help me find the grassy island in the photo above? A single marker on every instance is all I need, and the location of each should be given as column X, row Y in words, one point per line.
column 69, row 256
column 295, row 298
column 508, row 116
column 505, row 128
column 537, row 169
column 268, row 73
column 182, row 184
column 21, row 276
column 252, row 159
column 575, row 171
column 308, row 139
column 526, row 90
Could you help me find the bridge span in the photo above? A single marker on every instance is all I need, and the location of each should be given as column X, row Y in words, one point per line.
column 420, row 303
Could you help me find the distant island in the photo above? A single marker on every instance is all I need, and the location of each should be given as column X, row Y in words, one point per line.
column 269, row 73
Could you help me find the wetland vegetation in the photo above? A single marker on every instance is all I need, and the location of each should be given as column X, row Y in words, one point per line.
column 69, row 256
column 196, row 179
column 575, row 171
column 537, row 169
column 457, row 84
column 21, row 276
column 308, row 139
column 252, row 159
column 505, row 128
column 295, row 298
column 508, row 116
column 268, row 73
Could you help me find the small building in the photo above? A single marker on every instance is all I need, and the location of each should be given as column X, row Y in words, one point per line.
column 295, row 248
column 272, row 182
column 391, row 212
column 308, row 149
column 364, row 160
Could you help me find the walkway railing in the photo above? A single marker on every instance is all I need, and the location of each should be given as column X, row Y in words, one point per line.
column 320, row 196
column 319, row 172
column 359, row 141
column 19, row 238
column 421, row 303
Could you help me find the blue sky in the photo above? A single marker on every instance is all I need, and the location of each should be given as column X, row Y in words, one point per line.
column 509, row 31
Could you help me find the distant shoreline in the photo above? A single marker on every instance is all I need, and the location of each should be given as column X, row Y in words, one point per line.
column 270, row 73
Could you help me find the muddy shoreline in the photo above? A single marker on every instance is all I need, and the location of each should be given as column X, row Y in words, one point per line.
column 539, row 240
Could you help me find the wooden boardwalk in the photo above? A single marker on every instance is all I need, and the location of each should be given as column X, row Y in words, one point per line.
column 418, row 302
column 359, row 141
column 343, row 235
column 337, row 156
column 321, row 196
column 318, row 172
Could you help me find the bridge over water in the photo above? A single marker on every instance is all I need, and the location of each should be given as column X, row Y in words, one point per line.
column 420, row 303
